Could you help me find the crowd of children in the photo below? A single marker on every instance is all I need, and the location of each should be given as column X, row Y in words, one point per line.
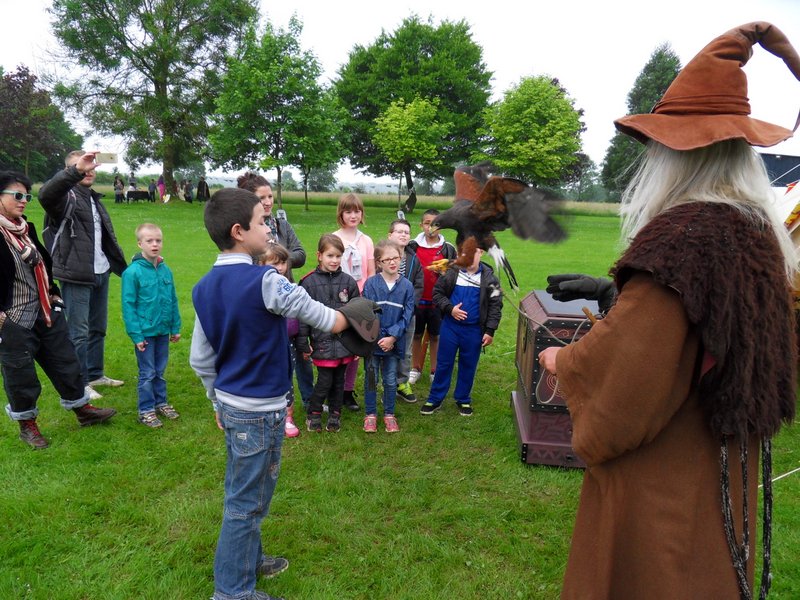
column 454, row 314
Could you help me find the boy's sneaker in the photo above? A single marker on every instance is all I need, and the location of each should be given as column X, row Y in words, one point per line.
column 391, row 424
column 271, row 566
column 150, row 419
column 259, row 595
column 405, row 392
column 429, row 408
column 371, row 424
column 465, row 410
column 413, row 376
column 334, row 423
column 314, row 423
column 168, row 411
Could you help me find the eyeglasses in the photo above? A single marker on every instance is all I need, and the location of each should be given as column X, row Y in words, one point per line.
column 18, row 196
column 386, row 261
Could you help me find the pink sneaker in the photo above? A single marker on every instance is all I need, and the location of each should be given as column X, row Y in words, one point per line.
column 371, row 424
column 290, row 430
column 391, row 424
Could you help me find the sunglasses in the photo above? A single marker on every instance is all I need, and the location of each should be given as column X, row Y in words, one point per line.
column 18, row 196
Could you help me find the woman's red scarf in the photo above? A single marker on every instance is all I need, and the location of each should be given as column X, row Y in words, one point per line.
column 16, row 234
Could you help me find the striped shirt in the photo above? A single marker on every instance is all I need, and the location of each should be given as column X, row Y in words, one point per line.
column 25, row 295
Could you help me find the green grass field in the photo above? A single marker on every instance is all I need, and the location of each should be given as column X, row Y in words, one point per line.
column 445, row 509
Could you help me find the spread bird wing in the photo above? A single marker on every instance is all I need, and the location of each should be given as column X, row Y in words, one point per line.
column 529, row 214
column 507, row 202
column 490, row 205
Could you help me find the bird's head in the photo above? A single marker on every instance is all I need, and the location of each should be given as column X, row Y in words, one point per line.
column 444, row 220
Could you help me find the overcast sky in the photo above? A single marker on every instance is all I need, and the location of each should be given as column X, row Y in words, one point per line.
column 595, row 49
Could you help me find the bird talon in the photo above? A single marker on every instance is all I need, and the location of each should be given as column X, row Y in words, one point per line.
column 440, row 266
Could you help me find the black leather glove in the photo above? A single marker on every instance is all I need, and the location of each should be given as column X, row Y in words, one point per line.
column 365, row 325
column 573, row 286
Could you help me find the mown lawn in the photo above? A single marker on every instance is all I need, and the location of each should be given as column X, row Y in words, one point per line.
column 445, row 509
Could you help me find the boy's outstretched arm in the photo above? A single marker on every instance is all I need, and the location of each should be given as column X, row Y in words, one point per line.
column 340, row 324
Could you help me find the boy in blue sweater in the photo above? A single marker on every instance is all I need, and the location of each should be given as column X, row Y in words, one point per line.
column 240, row 351
column 472, row 302
column 152, row 320
column 395, row 295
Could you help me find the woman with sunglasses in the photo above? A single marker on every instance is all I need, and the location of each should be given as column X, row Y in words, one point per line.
column 32, row 324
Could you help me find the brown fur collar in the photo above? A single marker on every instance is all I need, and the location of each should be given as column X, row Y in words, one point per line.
column 728, row 269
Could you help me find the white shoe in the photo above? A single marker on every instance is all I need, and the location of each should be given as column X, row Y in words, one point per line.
column 413, row 376
column 93, row 394
column 107, row 381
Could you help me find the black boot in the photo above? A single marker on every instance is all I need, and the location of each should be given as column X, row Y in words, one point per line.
column 349, row 400
column 91, row 415
column 30, row 434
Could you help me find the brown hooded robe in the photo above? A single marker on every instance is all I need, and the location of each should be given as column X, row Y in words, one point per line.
column 650, row 522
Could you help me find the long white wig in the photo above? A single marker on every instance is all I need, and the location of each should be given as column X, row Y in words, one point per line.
column 728, row 172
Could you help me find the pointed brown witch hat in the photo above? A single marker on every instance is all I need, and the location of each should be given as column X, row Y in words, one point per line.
column 707, row 102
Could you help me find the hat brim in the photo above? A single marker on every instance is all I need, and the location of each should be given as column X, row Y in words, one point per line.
column 356, row 344
column 688, row 132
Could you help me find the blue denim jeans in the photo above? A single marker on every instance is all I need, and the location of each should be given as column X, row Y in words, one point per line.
column 253, row 441
column 87, row 316
column 386, row 366
column 152, row 363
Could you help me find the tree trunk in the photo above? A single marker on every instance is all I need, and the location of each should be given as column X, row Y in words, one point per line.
column 168, row 161
column 306, row 173
column 409, row 179
column 279, row 183
column 412, row 193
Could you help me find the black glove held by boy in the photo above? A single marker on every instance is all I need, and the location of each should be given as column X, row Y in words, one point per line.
column 573, row 286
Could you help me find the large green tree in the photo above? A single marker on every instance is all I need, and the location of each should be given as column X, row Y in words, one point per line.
column 323, row 179
column 409, row 135
column 534, row 132
column 35, row 137
column 320, row 142
column 272, row 112
column 147, row 70
column 418, row 60
column 624, row 152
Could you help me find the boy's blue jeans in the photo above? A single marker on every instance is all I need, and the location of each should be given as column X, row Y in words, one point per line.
column 253, row 441
column 466, row 341
column 152, row 362
column 386, row 366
